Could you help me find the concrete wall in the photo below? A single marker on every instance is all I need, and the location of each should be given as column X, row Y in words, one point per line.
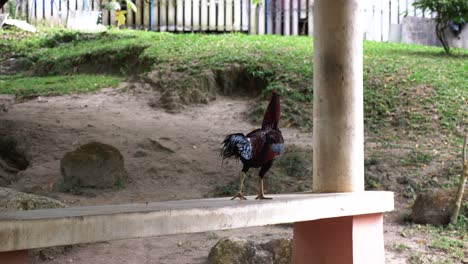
column 419, row 30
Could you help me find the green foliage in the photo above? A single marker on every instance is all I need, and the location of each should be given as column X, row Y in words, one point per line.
column 25, row 87
column 447, row 239
column 412, row 188
column 451, row 173
column 227, row 189
column 120, row 184
column 445, row 243
column 295, row 162
column 11, row 8
column 88, row 192
column 416, row 258
column 400, row 247
column 406, row 217
column 417, row 157
column 449, row 245
column 372, row 160
column 454, row 10
column 446, row 11
column 371, row 183
column 115, row 5
column 425, row 95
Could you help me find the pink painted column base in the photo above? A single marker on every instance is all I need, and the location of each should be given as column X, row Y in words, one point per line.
column 14, row 257
column 345, row 240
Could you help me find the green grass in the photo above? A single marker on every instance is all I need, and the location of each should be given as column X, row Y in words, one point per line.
column 449, row 245
column 449, row 239
column 400, row 247
column 413, row 87
column 417, row 157
column 25, row 87
column 295, row 162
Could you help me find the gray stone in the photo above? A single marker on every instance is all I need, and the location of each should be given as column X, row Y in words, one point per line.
column 11, row 200
column 434, row 207
column 241, row 251
column 231, row 251
column 14, row 66
column 5, row 101
column 140, row 154
column 280, row 249
column 94, row 165
column 155, row 145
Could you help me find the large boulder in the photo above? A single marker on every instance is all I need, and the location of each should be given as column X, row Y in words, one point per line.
column 434, row 207
column 93, row 165
column 241, row 251
column 11, row 200
column 14, row 65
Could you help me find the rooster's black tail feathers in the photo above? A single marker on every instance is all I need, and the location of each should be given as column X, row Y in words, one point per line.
column 236, row 145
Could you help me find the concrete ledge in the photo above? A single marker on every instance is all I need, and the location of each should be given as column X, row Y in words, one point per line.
column 66, row 226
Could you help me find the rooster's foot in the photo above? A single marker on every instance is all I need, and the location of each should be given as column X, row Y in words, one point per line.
column 239, row 195
column 262, row 197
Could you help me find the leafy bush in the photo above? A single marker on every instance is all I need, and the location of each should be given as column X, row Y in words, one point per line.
column 446, row 11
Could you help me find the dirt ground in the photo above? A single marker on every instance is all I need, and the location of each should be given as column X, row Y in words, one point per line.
column 184, row 165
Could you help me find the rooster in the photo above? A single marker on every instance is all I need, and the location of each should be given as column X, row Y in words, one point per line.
column 258, row 148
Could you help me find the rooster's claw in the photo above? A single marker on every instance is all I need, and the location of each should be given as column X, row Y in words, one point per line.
column 262, row 197
column 239, row 195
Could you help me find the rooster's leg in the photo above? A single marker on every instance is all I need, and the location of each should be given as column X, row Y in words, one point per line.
column 261, row 195
column 241, row 186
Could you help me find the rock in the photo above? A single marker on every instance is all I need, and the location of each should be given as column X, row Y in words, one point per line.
column 434, row 207
column 140, row 154
column 11, row 200
column 5, row 102
column 231, row 251
column 240, row 251
column 155, row 145
column 94, row 165
column 14, row 65
column 281, row 250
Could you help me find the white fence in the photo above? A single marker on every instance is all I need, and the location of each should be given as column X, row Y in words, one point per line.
column 284, row 17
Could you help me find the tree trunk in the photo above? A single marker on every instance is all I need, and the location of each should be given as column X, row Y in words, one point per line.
column 440, row 32
column 461, row 187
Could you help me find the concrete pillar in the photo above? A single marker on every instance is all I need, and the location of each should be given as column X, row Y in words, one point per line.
column 14, row 257
column 338, row 141
column 338, row 97
column 344, row 240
